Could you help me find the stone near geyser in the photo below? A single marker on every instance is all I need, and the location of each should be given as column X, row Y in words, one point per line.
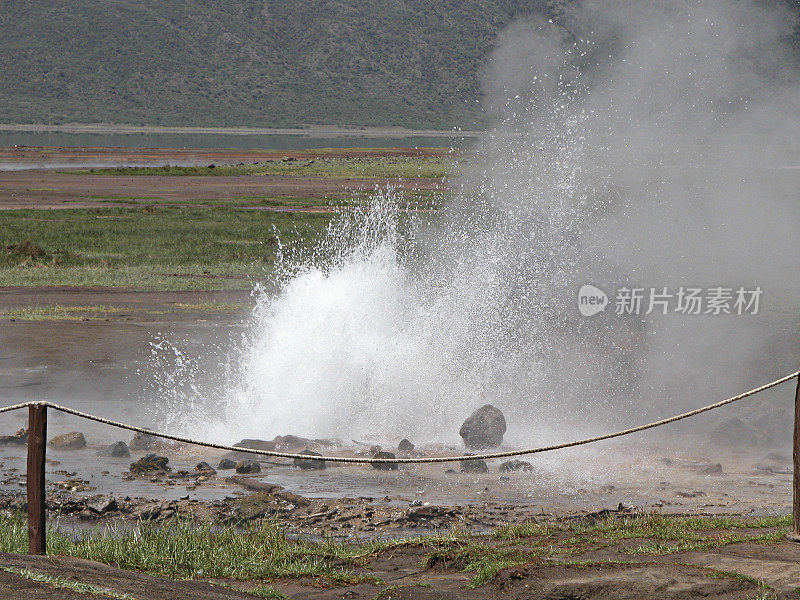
column 143, row 441
column 405, row 446
column 150, row 463
column 226, row 463
column 387, row 466
column 73, row 440
column 117, row 449
column 248, row 466
column 484, row 428
column 309, row 463
column 256, row 444
column 516, row 465
column 474, row 466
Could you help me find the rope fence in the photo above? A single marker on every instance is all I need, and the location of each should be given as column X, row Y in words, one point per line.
column 37, row 437
column 428, row 460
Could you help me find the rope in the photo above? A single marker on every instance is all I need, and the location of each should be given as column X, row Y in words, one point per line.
column 442, row 459
column 17, row 406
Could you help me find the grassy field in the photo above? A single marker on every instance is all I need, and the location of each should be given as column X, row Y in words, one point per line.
column 338, row 167
column 166, row 248
column 186, row 550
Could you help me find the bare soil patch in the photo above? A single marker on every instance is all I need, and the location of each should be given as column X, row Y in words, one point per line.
column 40, row 187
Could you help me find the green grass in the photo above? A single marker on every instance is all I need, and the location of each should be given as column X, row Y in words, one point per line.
column 188, row 550
column 167, row 248
column 259, row 591
column 357, row 167
column 657, row 526
column 62, row 583
column 58, row 312
column 261, row 552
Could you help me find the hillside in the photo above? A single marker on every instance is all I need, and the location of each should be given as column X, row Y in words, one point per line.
column 412, row 63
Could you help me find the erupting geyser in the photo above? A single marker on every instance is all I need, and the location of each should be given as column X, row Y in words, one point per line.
column 634, row 144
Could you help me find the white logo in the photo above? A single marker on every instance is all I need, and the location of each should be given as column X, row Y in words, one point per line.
column 591, row 300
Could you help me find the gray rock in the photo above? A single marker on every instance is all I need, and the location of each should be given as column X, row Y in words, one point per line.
column 248, row 466
column 474, row 466
column 711, row 469
column 516, row 465
column 73, row 440
column 291, row 442
column 736, row 433
column 225, row 464
column 256, row 444
column 20, row 438
column 426, row 512
column 405, row 447
column 142, row 441
column 388, row 466
column 102, row 505
column 205, row 468
column 117, row 449
column 484, row 428
column 150, row 463
column 309, row 463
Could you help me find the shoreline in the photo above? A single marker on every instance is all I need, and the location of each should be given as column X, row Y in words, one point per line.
column 313, row 131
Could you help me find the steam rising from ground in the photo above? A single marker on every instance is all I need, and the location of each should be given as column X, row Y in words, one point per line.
column 635, row 143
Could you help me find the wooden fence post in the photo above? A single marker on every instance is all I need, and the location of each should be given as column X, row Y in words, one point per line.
column 796, row 462
column 37, row 440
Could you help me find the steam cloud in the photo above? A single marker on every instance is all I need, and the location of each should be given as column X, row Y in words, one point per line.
column 636, row 143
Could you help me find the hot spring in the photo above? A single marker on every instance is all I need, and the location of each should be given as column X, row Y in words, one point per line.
column 650, row 151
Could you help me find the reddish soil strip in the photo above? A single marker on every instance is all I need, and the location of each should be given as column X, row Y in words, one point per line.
column 49, row 154
column 38, row 189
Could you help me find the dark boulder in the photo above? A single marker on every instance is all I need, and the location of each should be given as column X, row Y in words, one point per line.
column 405, row 447
column 474, row 466
column 150, row 463
column 385, row 466
column 225, row 464
column 516, row 465
column 204, row 468
column 484, row 428
column 248, row 466
column 117, row 449
column 309, row 463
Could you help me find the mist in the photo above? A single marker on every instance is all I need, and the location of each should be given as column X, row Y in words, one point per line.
column 646, row 145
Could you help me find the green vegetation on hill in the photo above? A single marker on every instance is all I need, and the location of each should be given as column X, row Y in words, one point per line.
column 412, row 63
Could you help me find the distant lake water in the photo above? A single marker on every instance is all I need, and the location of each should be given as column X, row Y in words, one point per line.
column 227, row 141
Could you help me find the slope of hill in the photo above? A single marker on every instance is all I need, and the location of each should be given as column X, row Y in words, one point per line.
column 412, row 63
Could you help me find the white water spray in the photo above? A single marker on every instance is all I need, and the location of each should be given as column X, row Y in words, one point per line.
column 399, row 325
